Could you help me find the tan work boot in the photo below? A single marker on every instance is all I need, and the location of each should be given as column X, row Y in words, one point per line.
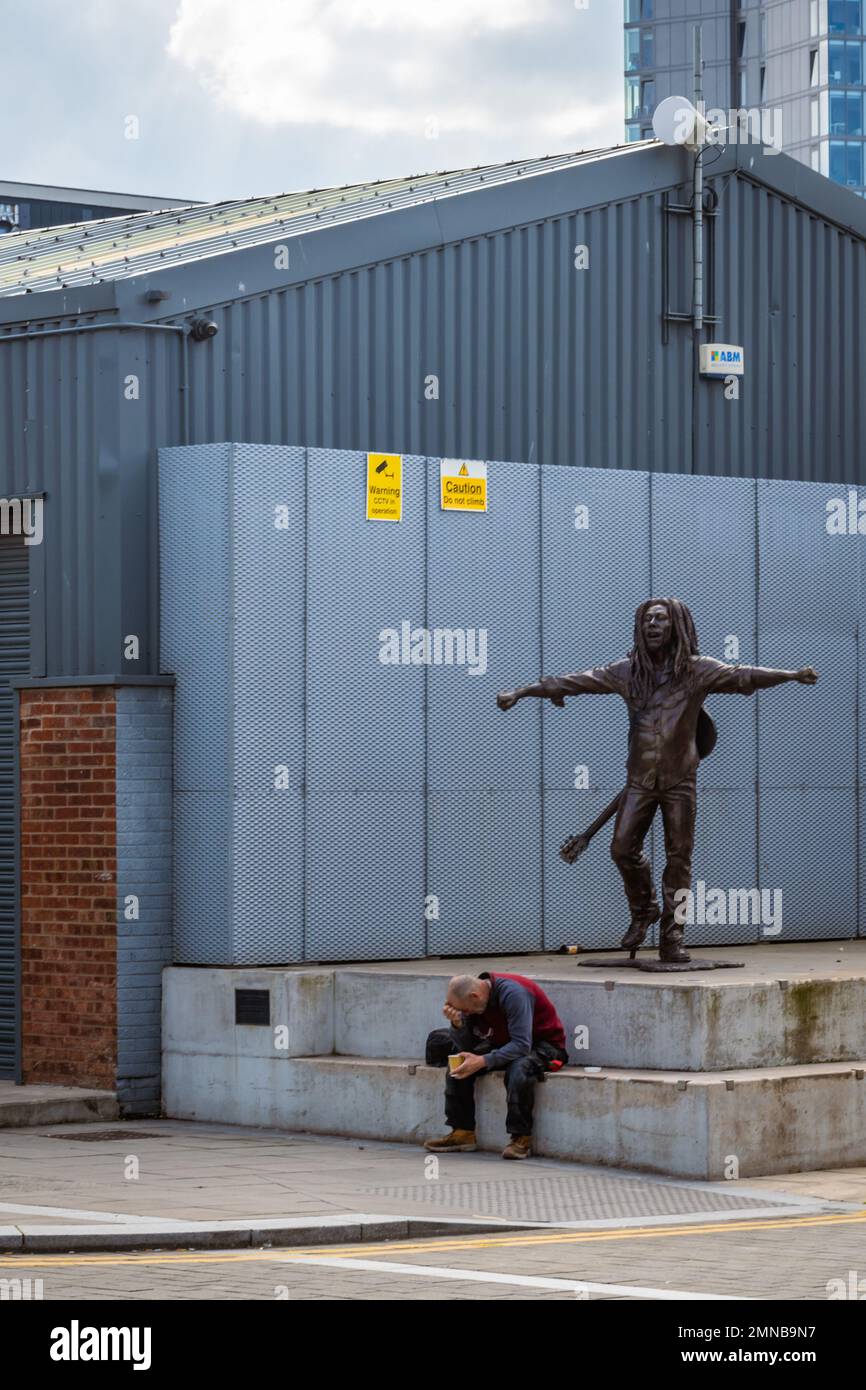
column 518, row 1146
column 459, row 1141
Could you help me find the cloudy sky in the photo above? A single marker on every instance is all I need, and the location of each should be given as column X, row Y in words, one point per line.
column 231, row 98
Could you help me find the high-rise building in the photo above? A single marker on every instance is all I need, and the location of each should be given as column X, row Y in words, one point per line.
column 24, row 206
column 802, row 62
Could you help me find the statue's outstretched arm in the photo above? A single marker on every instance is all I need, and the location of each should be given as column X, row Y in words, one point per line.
column 602, row 680
column 506, row 699
column 723, row 679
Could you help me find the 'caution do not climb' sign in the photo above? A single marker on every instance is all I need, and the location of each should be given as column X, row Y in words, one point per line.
column 384, row 487
column 462, row 485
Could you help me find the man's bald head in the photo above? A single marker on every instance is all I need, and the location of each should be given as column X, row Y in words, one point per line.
column 468, row 993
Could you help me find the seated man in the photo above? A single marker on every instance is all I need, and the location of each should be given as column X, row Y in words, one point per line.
column 498, row 1022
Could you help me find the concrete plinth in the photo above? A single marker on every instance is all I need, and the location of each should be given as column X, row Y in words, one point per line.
column 754, row 1072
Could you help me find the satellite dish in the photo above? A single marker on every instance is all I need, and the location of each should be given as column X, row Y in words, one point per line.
column 677, row 122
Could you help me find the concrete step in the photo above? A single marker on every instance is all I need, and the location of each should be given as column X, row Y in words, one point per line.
column 622, row 1018
column 743, row 1123
column 22, row 1106
column 793, row 1008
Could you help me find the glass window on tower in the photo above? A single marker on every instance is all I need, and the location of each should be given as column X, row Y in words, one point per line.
column 647, row 48
column 846, row 162
column 632, row 50
column 845, row 16
column 632, row 98
column 846, row 113
column 845, row 63
column 647, row 97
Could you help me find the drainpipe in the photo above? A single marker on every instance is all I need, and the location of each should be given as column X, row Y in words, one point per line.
column 698, row 192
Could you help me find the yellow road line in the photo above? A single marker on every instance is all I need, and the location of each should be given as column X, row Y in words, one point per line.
column 458, row 1243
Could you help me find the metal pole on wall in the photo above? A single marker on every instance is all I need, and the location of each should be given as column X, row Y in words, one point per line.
column 698, row 191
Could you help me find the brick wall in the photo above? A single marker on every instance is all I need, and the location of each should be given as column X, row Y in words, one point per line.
column 68, row 886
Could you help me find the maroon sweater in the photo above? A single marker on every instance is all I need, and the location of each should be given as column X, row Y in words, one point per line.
column 518, row 1015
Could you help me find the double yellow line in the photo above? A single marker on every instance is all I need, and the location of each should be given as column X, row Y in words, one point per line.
column 428, row 1246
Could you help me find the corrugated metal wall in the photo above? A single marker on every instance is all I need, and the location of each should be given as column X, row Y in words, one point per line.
column 81, row 417
column 540, row 362
column 535, row 361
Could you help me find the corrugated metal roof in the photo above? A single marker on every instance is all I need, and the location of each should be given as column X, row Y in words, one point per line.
column 116, row 248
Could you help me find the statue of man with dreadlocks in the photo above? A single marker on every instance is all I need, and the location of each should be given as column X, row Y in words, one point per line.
column 664, row 682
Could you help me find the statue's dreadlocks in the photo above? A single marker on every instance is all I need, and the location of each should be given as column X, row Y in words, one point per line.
column 685, row 646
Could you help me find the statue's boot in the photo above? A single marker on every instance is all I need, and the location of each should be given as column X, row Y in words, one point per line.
column 671, row 946
column 636, row 933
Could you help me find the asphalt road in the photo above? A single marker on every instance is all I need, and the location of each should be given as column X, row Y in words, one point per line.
column 796, row 1257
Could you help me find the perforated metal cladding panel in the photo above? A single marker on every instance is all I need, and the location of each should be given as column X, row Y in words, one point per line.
column 269, row 525
column 584, row 903
column 365, row 875
column 417, row 784
column 233, row 634
column 807, row 615
column 725, row 857
column 703, row 551
column 594, row 575
column 268, row 521
column 268, row 878
column 807, row 577
column 593, row 579
column 808, row 851
column 807, row 736
column 238, row 879
column 365, row 717
column 195, row 645
column 484, row 765
column 195, row 602
column 203, row 862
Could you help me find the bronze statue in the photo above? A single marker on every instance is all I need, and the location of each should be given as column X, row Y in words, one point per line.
column 663, row 681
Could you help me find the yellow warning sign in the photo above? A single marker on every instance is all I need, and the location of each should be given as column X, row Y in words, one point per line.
column 384, row 487
column 462, row 485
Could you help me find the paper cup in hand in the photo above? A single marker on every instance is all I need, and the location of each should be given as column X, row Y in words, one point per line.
column 455, row 1061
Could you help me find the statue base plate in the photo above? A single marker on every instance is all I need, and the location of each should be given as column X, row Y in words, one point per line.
column 665, row 967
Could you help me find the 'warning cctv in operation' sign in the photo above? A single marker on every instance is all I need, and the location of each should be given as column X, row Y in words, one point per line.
column 384, row 487
column 463, row 485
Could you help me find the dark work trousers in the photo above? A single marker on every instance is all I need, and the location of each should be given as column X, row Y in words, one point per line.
column 633, row 821
column 520, row 1079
